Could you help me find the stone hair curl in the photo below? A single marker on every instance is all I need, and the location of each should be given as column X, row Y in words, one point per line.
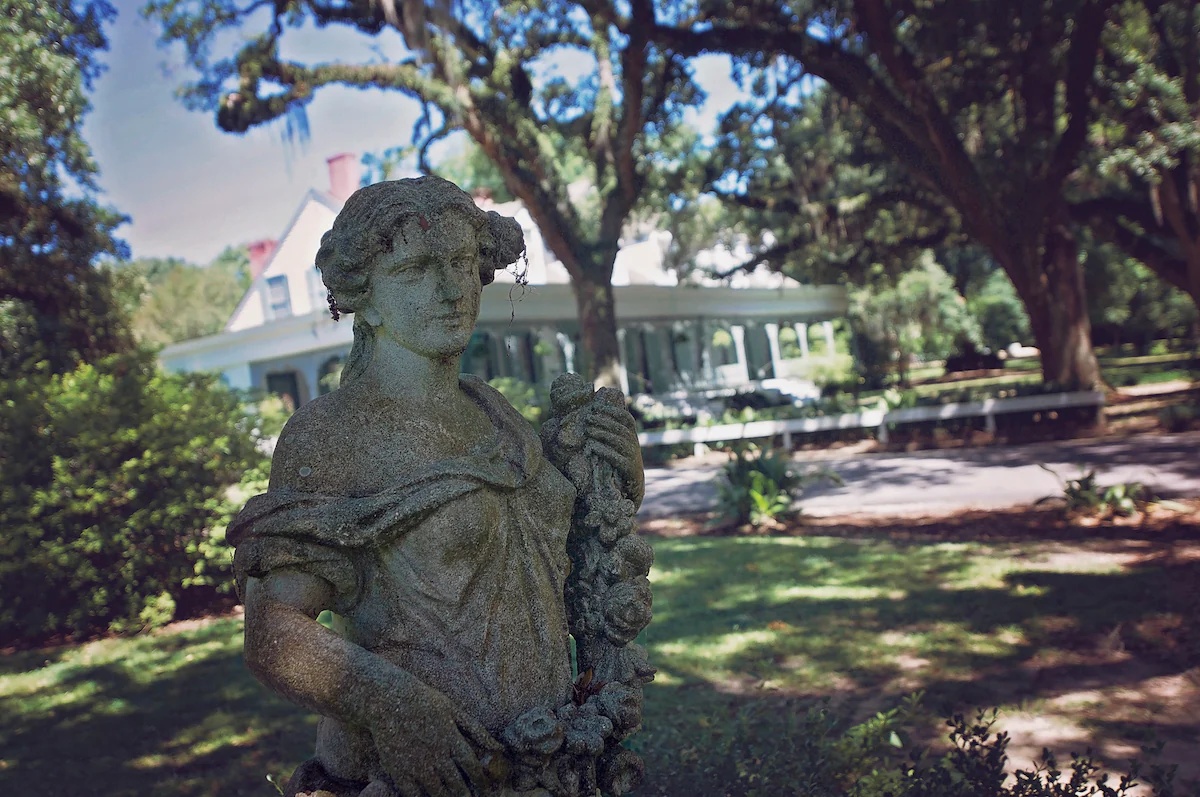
column 366, row 228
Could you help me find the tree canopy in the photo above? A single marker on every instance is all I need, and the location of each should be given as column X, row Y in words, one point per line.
column 985, row 105
column 490, row 69
column 55, row 304
column 804, row 177
column 1142, row 192
column 170, row 300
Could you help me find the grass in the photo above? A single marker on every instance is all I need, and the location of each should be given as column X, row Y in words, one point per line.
column 747, row 632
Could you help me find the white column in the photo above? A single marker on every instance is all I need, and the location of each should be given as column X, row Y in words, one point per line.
column 568, row 349
column 622, row 373
column 827, row 326
column 739, row 346
column 513, row 358
column 696, row 366
column 773, row 345
column 500, row 355
column 707, row 374
column 802, row 337
column 238, row 376
column 551, row 364
column 666, row 350
column 311, row 374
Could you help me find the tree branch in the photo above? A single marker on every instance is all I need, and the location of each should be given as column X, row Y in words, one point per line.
column 1082, row 58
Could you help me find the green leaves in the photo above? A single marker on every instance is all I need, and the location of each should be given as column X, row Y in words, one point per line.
column 759, row 490
column 113, row 494
column 54, row 303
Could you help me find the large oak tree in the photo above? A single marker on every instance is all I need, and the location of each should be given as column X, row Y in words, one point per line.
column 56, row 305
column 986, row 105
column 482, row 67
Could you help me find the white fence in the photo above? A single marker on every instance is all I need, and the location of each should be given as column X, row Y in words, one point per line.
column 874, row 419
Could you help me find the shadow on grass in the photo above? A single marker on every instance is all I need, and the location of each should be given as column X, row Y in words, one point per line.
column 204, row 727
column 748, row 634
column 762, row 627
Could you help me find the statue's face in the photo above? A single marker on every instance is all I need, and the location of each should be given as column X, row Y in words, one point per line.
column 426, row 290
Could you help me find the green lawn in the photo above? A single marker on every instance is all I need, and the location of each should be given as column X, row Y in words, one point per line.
column 747, row 633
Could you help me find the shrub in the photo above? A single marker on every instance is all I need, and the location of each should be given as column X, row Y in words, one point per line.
column 1085, row 495
column 759, row 490
column 112, row 477
column 532, row 401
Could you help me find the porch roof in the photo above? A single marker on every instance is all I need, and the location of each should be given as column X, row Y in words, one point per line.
column 514, row 306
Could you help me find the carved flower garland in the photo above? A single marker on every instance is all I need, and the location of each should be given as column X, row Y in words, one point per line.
column 608, row 604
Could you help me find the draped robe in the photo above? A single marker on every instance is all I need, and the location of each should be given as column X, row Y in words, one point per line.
column 454, row 574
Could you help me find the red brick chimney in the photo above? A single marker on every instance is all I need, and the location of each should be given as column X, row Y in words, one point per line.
column 343, row 175
column 260, row 254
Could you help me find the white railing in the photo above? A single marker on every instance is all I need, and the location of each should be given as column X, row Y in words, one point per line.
column 874, row 419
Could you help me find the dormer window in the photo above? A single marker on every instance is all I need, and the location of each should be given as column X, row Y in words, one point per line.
column 278, row 299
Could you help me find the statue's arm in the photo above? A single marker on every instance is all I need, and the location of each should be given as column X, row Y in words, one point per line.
column 290, row 652
column 421, row 736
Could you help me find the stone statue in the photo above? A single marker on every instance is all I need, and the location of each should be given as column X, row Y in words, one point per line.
column 455, row 549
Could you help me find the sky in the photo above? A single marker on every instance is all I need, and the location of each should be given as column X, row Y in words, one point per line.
column 191, row 189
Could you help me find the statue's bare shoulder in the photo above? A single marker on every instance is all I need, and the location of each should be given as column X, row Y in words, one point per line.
column 315, row 448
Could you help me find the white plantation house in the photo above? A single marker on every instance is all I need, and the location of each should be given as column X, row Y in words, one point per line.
column 698, row 336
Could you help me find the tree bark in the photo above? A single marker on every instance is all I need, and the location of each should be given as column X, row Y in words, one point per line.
column 1058, row 314
column 595, row 302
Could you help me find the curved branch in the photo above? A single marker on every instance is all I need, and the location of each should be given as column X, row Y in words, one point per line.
column 1082, row 58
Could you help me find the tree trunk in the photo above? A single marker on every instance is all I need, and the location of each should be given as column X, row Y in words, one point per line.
column 598, row 330
column 1058, row 313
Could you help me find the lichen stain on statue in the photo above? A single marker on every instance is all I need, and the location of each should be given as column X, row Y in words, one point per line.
column 456, row 549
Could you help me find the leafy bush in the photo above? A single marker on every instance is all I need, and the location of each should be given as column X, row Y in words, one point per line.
column 273, row 414
column 532, row 401
column 759, row 490
column 112, row 478
column 1085, row 495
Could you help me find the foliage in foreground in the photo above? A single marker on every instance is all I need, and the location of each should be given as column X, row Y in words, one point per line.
column 975, row 766
column 114, row 475
column 819, row 753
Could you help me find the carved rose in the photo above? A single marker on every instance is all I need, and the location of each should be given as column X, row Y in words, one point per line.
column 636, row 553
column 586, row 735
column 622, row 705
column 627, row 610
column 621, row 771
column 612, row 517
column 535, row 734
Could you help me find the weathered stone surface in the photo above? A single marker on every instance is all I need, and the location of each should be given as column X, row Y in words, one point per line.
column 455, row 549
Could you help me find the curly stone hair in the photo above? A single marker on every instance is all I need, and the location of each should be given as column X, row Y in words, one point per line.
column 366, row 228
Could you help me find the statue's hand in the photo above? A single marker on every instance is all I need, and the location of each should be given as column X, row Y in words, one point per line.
column 430, row 747
column 612, row 435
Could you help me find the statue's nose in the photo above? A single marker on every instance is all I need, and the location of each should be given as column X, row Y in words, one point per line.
column 450, row 290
